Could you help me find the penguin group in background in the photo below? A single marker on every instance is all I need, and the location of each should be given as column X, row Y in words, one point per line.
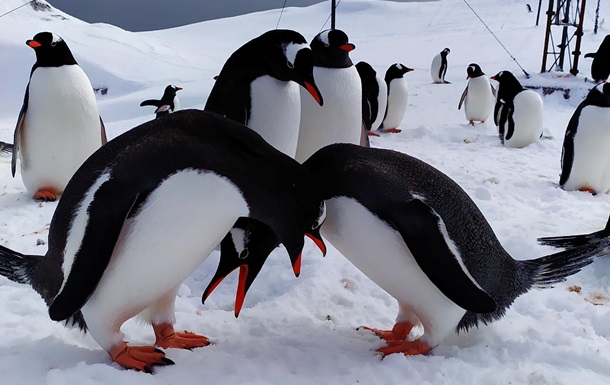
column 438, row 68
column 585, row 159
column 478, row 96
column 258, row 86
column 426, row 244
column 398, row 96
column 59, row 124
column 168, row 103
column 374, row 97
column 111, row 255
column 518, row 113
column 600, row 66
column 340, row 119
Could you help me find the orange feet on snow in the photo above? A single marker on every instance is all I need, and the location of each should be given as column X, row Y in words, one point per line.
column 392, row 130
column 45, row 195
column 168, row 338
column 408, row 348
column 588, row 189
column 471, row 122
column 371, row 133
column 141, row 358
column 399, row 332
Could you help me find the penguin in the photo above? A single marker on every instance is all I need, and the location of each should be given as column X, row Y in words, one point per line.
column 600, row 66
column 59, row 124
column 438, row 68
column 258, row 86
column 111, row 255
column 398, row 95
column 518, row 112
column 340, row 119
column 426, row 244
column 6, row 148
column 478, row 96
column 585, row 164
column 168, row 103
column 374, row 97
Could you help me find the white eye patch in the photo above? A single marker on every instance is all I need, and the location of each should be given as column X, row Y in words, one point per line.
column 291, row 50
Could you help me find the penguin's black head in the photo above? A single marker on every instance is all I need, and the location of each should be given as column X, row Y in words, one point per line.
column 445, row 52
column 396, row 71
column 509, row 86
column 51, row 50
column 365, row 70
column 170, row 91
column 331, row 49
column 474, row 71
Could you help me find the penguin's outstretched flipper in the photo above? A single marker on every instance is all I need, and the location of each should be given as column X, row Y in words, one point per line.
column 569, row 241
column 151, row 102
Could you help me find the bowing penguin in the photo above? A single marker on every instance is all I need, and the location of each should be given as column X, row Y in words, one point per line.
column 111, row 255
column 168, row 103
column 258, row 86
column 59, row 124
column 438, row 68
column 426, row 244
column 518, row 113
column 600, row 66
column 585, row 162
column 374, row 97
column 398, row 96
column 340, row 119
column 478, row 96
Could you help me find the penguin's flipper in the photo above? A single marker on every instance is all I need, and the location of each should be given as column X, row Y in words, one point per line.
column 106, row 214
column 426, row 236
column 464, row 94
column 103, row 132
column 151, row 102
column 493, row 91
column 18, row 130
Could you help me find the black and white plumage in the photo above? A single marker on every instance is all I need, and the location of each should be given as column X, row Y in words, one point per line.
column 600, row 66
column 478, row 96
column 111, row 254
column 426, row 244
column 438, row 68
column 59, row 124
column 168, row 103
column 374, row 96
column 258, row 86
column 518, row 112
column 398, row 97
column 585, row 160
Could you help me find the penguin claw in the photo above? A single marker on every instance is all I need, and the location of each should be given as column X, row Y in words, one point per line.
column 168, row 338
column 45, row 195
column 141, row 358
column 399, row 332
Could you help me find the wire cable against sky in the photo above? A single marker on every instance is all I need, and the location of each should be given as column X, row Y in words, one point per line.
column 498, row 40
column 328, row 18
column 14, row 9
column 281, row 13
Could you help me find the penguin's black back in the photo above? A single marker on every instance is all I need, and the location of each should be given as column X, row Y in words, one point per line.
column 370, row 93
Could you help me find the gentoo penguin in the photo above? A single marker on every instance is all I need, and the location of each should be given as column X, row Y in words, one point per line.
column 59, row 124
column 518, row 113
column 600, row 66
column 438, row 68
column 168, row 103
column 259, row 86
column 478, row 96
column 426, row 244
column 585, row 162
column 374, row 97
column 398, row 96
column 111, row 254
column 340, row 119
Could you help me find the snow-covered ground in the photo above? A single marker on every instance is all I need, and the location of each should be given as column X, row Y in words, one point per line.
column 303, row 331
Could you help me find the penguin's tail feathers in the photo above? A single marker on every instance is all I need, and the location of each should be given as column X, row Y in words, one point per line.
column 15, row 266
column 569, row 241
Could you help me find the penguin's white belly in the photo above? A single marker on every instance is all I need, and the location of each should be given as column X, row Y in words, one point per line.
column 435, row 68
column 528, row 118
column 170, row 236
column 381, row 254
column 591, row 163
column 176, row 103
column 398, row 96
column 275, row 112
column 382, row 101
column 61, row 127
column 479, row 102
column 339, row 120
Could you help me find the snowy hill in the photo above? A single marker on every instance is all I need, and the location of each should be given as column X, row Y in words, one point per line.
column 302, row 331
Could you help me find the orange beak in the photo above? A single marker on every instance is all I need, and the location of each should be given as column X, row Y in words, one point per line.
column 33, row 43
column 314, row 93
column 348, row 47
column 319, row 242
column 241, row 289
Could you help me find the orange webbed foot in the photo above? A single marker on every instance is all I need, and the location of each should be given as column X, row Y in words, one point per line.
column 45, row 195
column 408, row 348
column 471, row 123
column 371, row 133
column 399, row 332
column 168, row 338
column 392, row 130
column 141, row 358
column 588, row 189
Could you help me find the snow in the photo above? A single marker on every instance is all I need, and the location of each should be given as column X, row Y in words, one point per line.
column 303, row 331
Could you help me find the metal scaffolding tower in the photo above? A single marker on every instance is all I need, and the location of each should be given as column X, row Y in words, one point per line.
column 563, row 18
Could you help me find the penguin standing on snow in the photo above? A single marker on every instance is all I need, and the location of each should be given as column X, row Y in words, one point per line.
column 398, row 96
column 600, row 67
column 438, row 68
column 258, row 86
column 478, row 96
column 585, row 161
column 340, row 119
column 374, row 97
column 169, row 101
column 59, row 124
column 110, row 253
column 518, row 113
column 426, row 244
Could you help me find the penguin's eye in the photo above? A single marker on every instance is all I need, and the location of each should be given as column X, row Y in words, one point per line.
column 53, row 43
column 318, row 222
column 289, row 64
column 244, row 254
